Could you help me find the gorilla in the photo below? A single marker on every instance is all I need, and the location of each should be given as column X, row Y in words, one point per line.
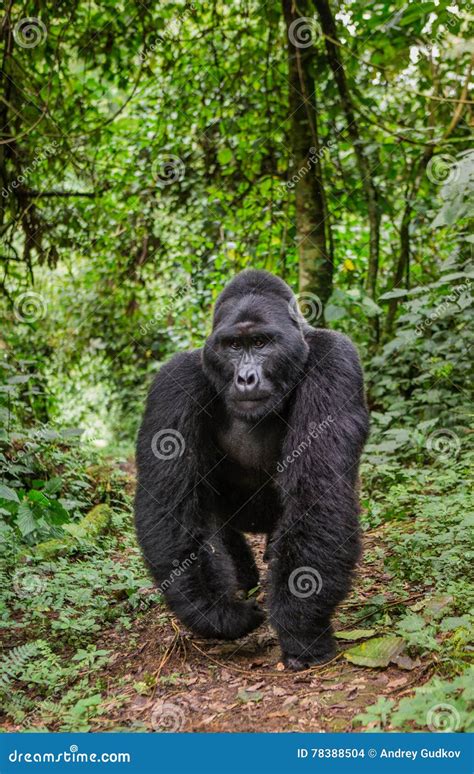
column 260, row 431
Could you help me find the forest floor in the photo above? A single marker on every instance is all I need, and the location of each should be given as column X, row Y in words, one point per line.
column 242, row 686
column 107, row 655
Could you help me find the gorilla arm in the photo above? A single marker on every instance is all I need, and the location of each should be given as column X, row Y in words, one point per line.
column 316, row 545
column 173, row 505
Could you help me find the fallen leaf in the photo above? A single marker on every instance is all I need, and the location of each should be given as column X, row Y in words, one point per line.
column 334, row 687
column 220, row 650
column 256, row 686
column 405, row 662
column 355, row 634
column 397, row 683
column 438, row 603
column 378, row 652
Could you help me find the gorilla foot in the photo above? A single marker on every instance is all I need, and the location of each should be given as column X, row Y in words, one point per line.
column 298, row 663
column 320, row 652
column 230, row 623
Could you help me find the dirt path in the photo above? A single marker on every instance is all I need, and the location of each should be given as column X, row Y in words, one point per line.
column 168, row 680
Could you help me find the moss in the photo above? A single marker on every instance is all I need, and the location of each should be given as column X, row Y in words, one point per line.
column 50, row 549
column 101, row 477
column 96, row 521
column 89, row 527
column 92, row 524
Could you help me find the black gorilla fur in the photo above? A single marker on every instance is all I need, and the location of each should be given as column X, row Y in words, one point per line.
column 283, row 463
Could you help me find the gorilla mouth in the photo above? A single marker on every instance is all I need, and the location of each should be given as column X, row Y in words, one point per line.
column 250, row 406
column 249, row 402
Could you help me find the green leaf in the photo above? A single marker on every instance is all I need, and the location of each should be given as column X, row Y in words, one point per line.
column 26, row 521
column 332, row 312
column 37, row 497
column 419, row 12
column 372, row 309
column 8, row 494
column 377, row 652
column 20, row 379
column 398, row 293
column 53, row 485
column 224, row 156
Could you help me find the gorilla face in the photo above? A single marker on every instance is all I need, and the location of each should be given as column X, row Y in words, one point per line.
column 255, row 354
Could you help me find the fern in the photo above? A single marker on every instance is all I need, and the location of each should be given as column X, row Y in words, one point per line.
column 12, row 665
column 17, row 706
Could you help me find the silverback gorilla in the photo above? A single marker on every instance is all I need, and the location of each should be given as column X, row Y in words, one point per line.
column 259, row 431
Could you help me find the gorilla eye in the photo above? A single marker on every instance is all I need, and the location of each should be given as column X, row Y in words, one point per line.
column 259, row 342
column 235, row 344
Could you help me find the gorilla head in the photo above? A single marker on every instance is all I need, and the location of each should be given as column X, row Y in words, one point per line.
column 256, row 352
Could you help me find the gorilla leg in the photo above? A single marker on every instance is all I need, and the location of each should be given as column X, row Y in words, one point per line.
column 197, row 576
column 243, row 559
column 310, row 575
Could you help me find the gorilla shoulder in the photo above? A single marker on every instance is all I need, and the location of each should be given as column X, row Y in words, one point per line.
column 178, row 391
column 183, row 373
column 335, row 348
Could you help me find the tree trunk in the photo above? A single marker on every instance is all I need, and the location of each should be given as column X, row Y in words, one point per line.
column 328, row 26
column 6, row 87
column 402, row 268
column 312, row 223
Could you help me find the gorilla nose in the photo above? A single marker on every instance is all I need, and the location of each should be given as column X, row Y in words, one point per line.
column 247, row 380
